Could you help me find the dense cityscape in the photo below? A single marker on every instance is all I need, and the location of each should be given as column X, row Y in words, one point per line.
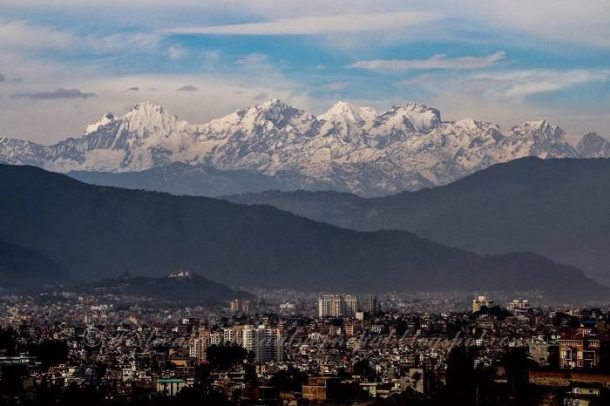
column 296, row 349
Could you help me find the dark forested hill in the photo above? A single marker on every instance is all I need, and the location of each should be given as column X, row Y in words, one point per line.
column 22, row 268
column 95, row 231
column 176, row 288
column 559, row 208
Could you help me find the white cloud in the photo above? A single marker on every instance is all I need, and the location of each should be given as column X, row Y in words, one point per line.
column 61, row 93
column 582, row 22
column 128, row 41
column 176, row 52
column 257, row 65
column 336, row 86
column 425, row 80
column 523, row 83
column 252, row 60
column 316, row 25
column 435, row 62
column 18, row 36
column 188, row 88
column 505, row 97
column 511, row 84
column 21, row 36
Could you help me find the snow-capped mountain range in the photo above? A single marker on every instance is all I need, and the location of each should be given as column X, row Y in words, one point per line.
column 347, row 148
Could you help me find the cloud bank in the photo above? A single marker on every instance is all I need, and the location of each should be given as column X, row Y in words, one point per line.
column 188, row 88
column 316, row 25
column 60, row 93
column 439, row 61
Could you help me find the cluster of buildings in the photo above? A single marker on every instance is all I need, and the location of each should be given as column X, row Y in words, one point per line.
column 240, row 306
column 340, row 348
column 266, row 342
column 348, row 305
column 482, row 302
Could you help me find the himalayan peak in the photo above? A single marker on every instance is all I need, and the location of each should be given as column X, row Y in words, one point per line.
column 347, row 148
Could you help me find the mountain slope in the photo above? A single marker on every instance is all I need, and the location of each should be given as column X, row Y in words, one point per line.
column 193, row 180
column 347, row 148
column 99, row 231
column 181, row 287
column 558, row 208
column 592, row 145
column 21, row 268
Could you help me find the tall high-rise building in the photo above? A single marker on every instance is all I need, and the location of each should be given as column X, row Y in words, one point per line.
column 240, row 305
column 323, row 306
column 229, row 335
column 248, row 337
column 246, row 307
column 351, row 305
column 269, row 343
column 199, row 343
column 242, row 335
column 197, row 348
column 371, row 305
column 234, row 306
column 266, row 342
column 331, row 306
column 216, row 338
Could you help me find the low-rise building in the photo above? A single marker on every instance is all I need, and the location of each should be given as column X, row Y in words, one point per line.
column 170, row 386
column 481, row 301
column 583, row 349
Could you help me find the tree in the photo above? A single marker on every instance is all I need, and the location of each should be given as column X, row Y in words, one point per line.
column 289, row 380
column 517, row 364
column 251, row 376
column 7, row 341
column 349, row 392
column 51, row 352
column 563, row 319
column 494, row 311
column 77, row 396
column 12, row 378
column 363, row 368
column 461, row 376
column 202, row 376
column 223, row 357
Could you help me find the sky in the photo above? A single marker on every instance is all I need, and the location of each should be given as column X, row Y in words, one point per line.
column 65, row 63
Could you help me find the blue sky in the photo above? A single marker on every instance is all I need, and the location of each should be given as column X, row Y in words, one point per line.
column 500, row 61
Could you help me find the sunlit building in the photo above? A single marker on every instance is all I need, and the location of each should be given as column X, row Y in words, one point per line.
column 331, row 306
column 481, row 301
